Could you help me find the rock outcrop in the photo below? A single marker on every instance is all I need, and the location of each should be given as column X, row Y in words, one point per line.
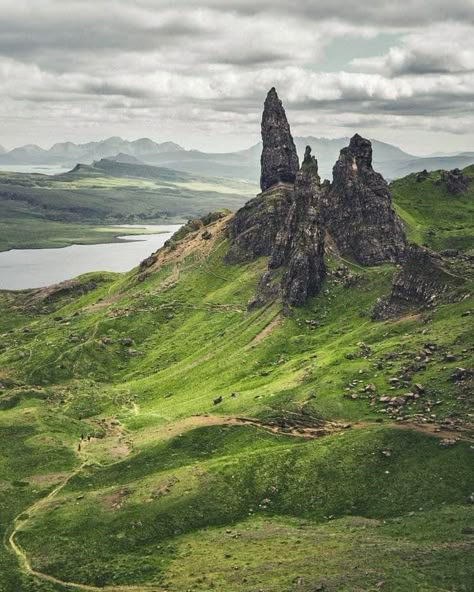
column 279, row 159
column 454, row 181
column 358, row 209
column 422, row 282
column 299, row 245
column 254, row 228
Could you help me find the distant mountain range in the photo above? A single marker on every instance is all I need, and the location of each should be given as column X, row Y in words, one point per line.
column 244, row 164
column 68, row 153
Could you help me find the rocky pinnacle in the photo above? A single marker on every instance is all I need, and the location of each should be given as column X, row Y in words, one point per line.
column 359, row 213
column 279, row 159
column 299, row 245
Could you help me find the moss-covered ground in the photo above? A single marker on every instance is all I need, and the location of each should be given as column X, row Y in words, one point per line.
column 110, row 404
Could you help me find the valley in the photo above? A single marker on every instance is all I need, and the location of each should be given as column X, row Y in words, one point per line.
column 38, row 211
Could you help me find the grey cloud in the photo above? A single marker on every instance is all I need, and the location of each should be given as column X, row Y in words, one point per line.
column 209, row 63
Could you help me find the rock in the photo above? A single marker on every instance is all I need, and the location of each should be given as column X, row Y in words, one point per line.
column 420, row 177
column 253, row 230
column 126, row 341
column 217, row 400
column 468, row 530
column 279, row 160
column 454, row 181
column 370, row 388
column 422, row 281
column 358, row 209
column 300, row 243
column 446, row 442
column 470, row 499
column 461, row 374
column 148, row 262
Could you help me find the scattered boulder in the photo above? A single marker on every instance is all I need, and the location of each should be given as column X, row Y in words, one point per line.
column 461, row 374
column 447, row 442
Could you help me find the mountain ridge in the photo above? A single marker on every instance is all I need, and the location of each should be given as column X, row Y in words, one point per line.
column 389, row 160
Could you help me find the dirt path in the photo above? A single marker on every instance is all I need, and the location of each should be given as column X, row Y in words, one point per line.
column 18, row 524
column 308, row 432
column 314, row 431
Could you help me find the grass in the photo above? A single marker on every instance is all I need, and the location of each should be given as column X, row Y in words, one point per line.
column 432, row 215
column 168, row 497
column 50, row 211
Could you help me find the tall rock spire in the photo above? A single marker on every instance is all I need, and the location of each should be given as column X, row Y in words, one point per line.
column 279, row 157
column 358, row 210
column 296, row 269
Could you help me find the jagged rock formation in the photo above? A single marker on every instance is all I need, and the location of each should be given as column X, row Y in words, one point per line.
column 254, row 228
column 422, row 281
column 454, row 181
column 358, row 209
column 299, row 245
column 279, row 159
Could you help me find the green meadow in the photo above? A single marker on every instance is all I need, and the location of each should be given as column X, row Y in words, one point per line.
column 155, row 435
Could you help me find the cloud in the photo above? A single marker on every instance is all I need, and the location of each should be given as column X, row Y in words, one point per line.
column 443, row 48
column 191, row 69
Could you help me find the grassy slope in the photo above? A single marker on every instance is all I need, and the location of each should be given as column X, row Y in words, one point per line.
column 210, row 506
column 41, row 211
column 432, row 215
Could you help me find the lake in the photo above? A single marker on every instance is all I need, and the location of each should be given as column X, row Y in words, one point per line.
column 35, row 268
column 44, row 169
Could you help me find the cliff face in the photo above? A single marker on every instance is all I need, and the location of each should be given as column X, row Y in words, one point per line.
column 422, row 281
column 279, row 159
column 300, row 243
column 254, row 228
column 358, row 209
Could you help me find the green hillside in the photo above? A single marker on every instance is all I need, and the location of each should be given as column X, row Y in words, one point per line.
column 157, row 436
column 47, row 211
column 432, row 215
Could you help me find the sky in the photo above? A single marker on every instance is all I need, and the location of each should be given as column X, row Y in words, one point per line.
column 197, row 71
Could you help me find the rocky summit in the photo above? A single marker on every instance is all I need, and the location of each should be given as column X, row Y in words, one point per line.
column 290, row 220
column 279, row 159
column 359, row 213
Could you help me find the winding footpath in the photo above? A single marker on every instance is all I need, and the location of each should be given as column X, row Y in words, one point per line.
column 169, row 431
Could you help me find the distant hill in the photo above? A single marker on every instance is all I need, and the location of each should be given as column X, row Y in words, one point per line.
column 68, row 153
column 125, row 158
column 42, row 210
column 390, row 161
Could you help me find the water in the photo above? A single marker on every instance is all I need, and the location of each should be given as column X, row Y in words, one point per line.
column 44, row 169
column 35, row 268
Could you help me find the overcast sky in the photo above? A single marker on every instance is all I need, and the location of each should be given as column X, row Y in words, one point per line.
column 196, row 72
